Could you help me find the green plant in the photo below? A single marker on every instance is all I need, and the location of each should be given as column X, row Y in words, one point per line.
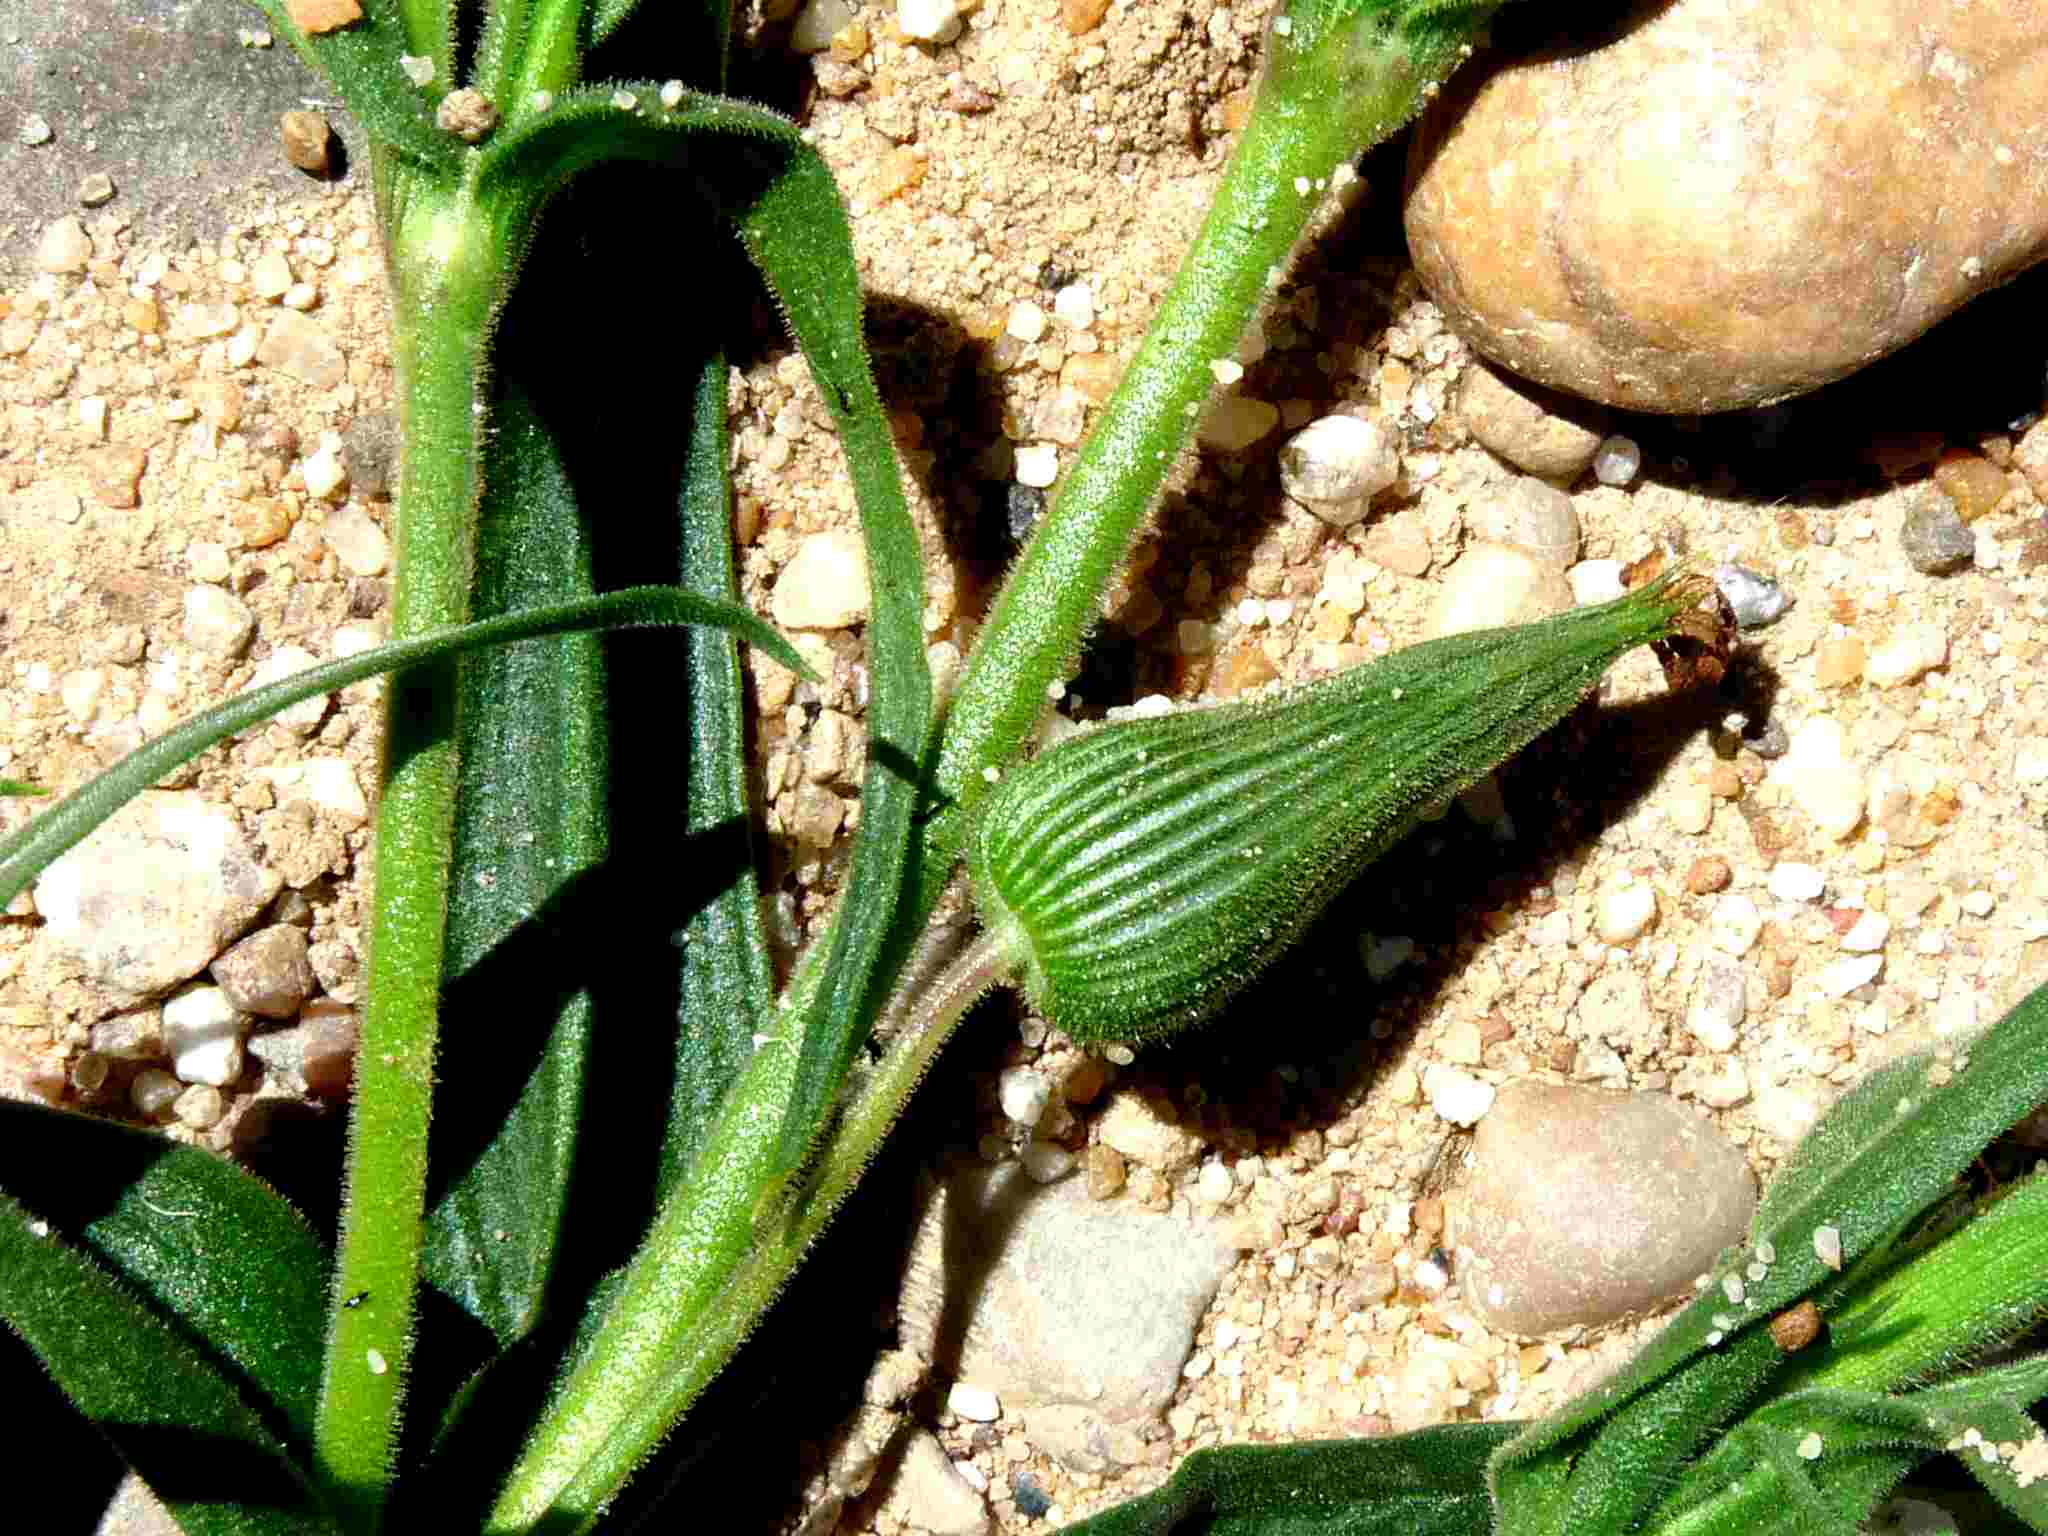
column 191, row 1340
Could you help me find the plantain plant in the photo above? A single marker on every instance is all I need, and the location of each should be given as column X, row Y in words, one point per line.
column 480, row 1347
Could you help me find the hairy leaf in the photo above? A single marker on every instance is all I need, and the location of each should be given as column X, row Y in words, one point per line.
column 1430, row 1483
column 185, row 1429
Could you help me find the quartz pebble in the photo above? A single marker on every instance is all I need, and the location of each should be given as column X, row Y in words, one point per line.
column 1793, row 881
column 1618, row 461
column 203, row 1035
column 1625, row 912
column 1583, row 1206
column 63, row 247
column 304, row 717
column 1024, row 1095
column 1595, row 581
column 1457, row 1096
column 975, row 1403
column 1757, row 601
column 1038, row 465
column 154, row 1091
column 1720, row 1000
column 363, row 548
column 1824, row 784
column 1868, row 933
column 1336, row 465
column 1135, row 1128
column 1912, row 651
column 217, row 622
column 1841, row 977
column 929, row 21
column 1234, row 422
column 1734, row 925
column 825, row 584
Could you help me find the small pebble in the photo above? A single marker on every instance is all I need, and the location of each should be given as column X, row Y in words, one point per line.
column 1024, row 1095
column 154, row 1091
column 825, row 585
column 34, row 130
column 975, row 1403
column 1937, row 542
column 1810, row 1447
column 63, row 246
column 1336, row 465
column 1625, row 912
column 1595, row 581
column 308, row 142
column 1792, row 881
column 1912, row 651
column 1617, row 461
column 1979, row 903
column 1757, row 600
column 96, row 189
column 1708, row 875
column 1868, row 934
column 1047, row 1162
column 1842, row 977
column 1075, row 306
column 1027, row 322
column 1457, row 1096
column 929, row 21
column 1234, row 422
column 1720, row 1002
column 1105, row 1172
column 1734, row 925
column 1827, row 1246
column 1216, row 1183
column 203, row 1035
column 1769, row 740
column 1038, row 465
column 1530, row 515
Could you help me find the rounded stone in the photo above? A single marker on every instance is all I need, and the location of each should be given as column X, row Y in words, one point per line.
column 1497, row 584
column 1582, row 1207
column 1723, row 203
column 1535, row 429
column 1531, row 516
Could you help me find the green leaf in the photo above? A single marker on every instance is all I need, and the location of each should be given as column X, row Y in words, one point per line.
column 361, row 61
column 184, row 1428
column 781, row 197
column 18, row 787
column 25, row 853
column 209, row 1246
column 1884, row 1153
column 530, row 824
column 1430, row 1483
column 728, row 978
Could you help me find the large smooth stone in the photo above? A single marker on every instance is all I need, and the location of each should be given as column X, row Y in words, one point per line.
column 1581, row 1207
column 1722, row 203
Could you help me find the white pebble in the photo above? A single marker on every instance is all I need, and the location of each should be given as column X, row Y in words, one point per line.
column 1845, row 976
column 1625, row 912
column 154, row 1091
column 1217, row 1184
column 1734, row 925
column 1234, row 422
column 1731, row 1287
column 1823, row 782
column 1336, row 465
column 1457, row 1096
column 1075, row 306
column 929, row 21
column 1038, row 465
column 1617, row 460
column 202, row 1033
column 1791, row 881
column 1810, row 1447
column 1868, row 935
column 1024, row 1094
column 1911, row 652
column 974, row 1403
column 374, row 1358
column 418, row 69
column 1027, row 322
column 1756, row 600
column 825, row 585
column 323, row 473
column 1979, row 903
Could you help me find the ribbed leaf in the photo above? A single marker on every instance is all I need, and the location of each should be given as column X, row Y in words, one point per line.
column 25, row 853
column 184, row 1428
column 361, row 60
column 1431, row 1483
column 530, row 821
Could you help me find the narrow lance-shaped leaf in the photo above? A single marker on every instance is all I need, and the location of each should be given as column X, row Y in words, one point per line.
column 183, row 1427
column 26, row 852
column 781, row 197
column 530, row 819
column 728, row 979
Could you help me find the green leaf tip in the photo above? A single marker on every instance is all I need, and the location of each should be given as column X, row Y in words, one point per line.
column 20, row 787
column 1145, row 871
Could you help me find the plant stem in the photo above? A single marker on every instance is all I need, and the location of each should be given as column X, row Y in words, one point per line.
column 1335, row 83
column 719, row 1254
column 447, row 279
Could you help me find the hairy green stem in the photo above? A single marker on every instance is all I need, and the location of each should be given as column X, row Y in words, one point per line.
column 720, row 1252
column 1339, row 78
column 448, row 278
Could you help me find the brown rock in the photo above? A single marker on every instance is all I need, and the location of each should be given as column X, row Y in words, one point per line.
column 1532, row 428
column 267, row 973
column 115, row 475
column 1972, row 482
column 314, row 17
column 1708, row 875
column 1079, row 16
column 308, row 142
column 1728, row 202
